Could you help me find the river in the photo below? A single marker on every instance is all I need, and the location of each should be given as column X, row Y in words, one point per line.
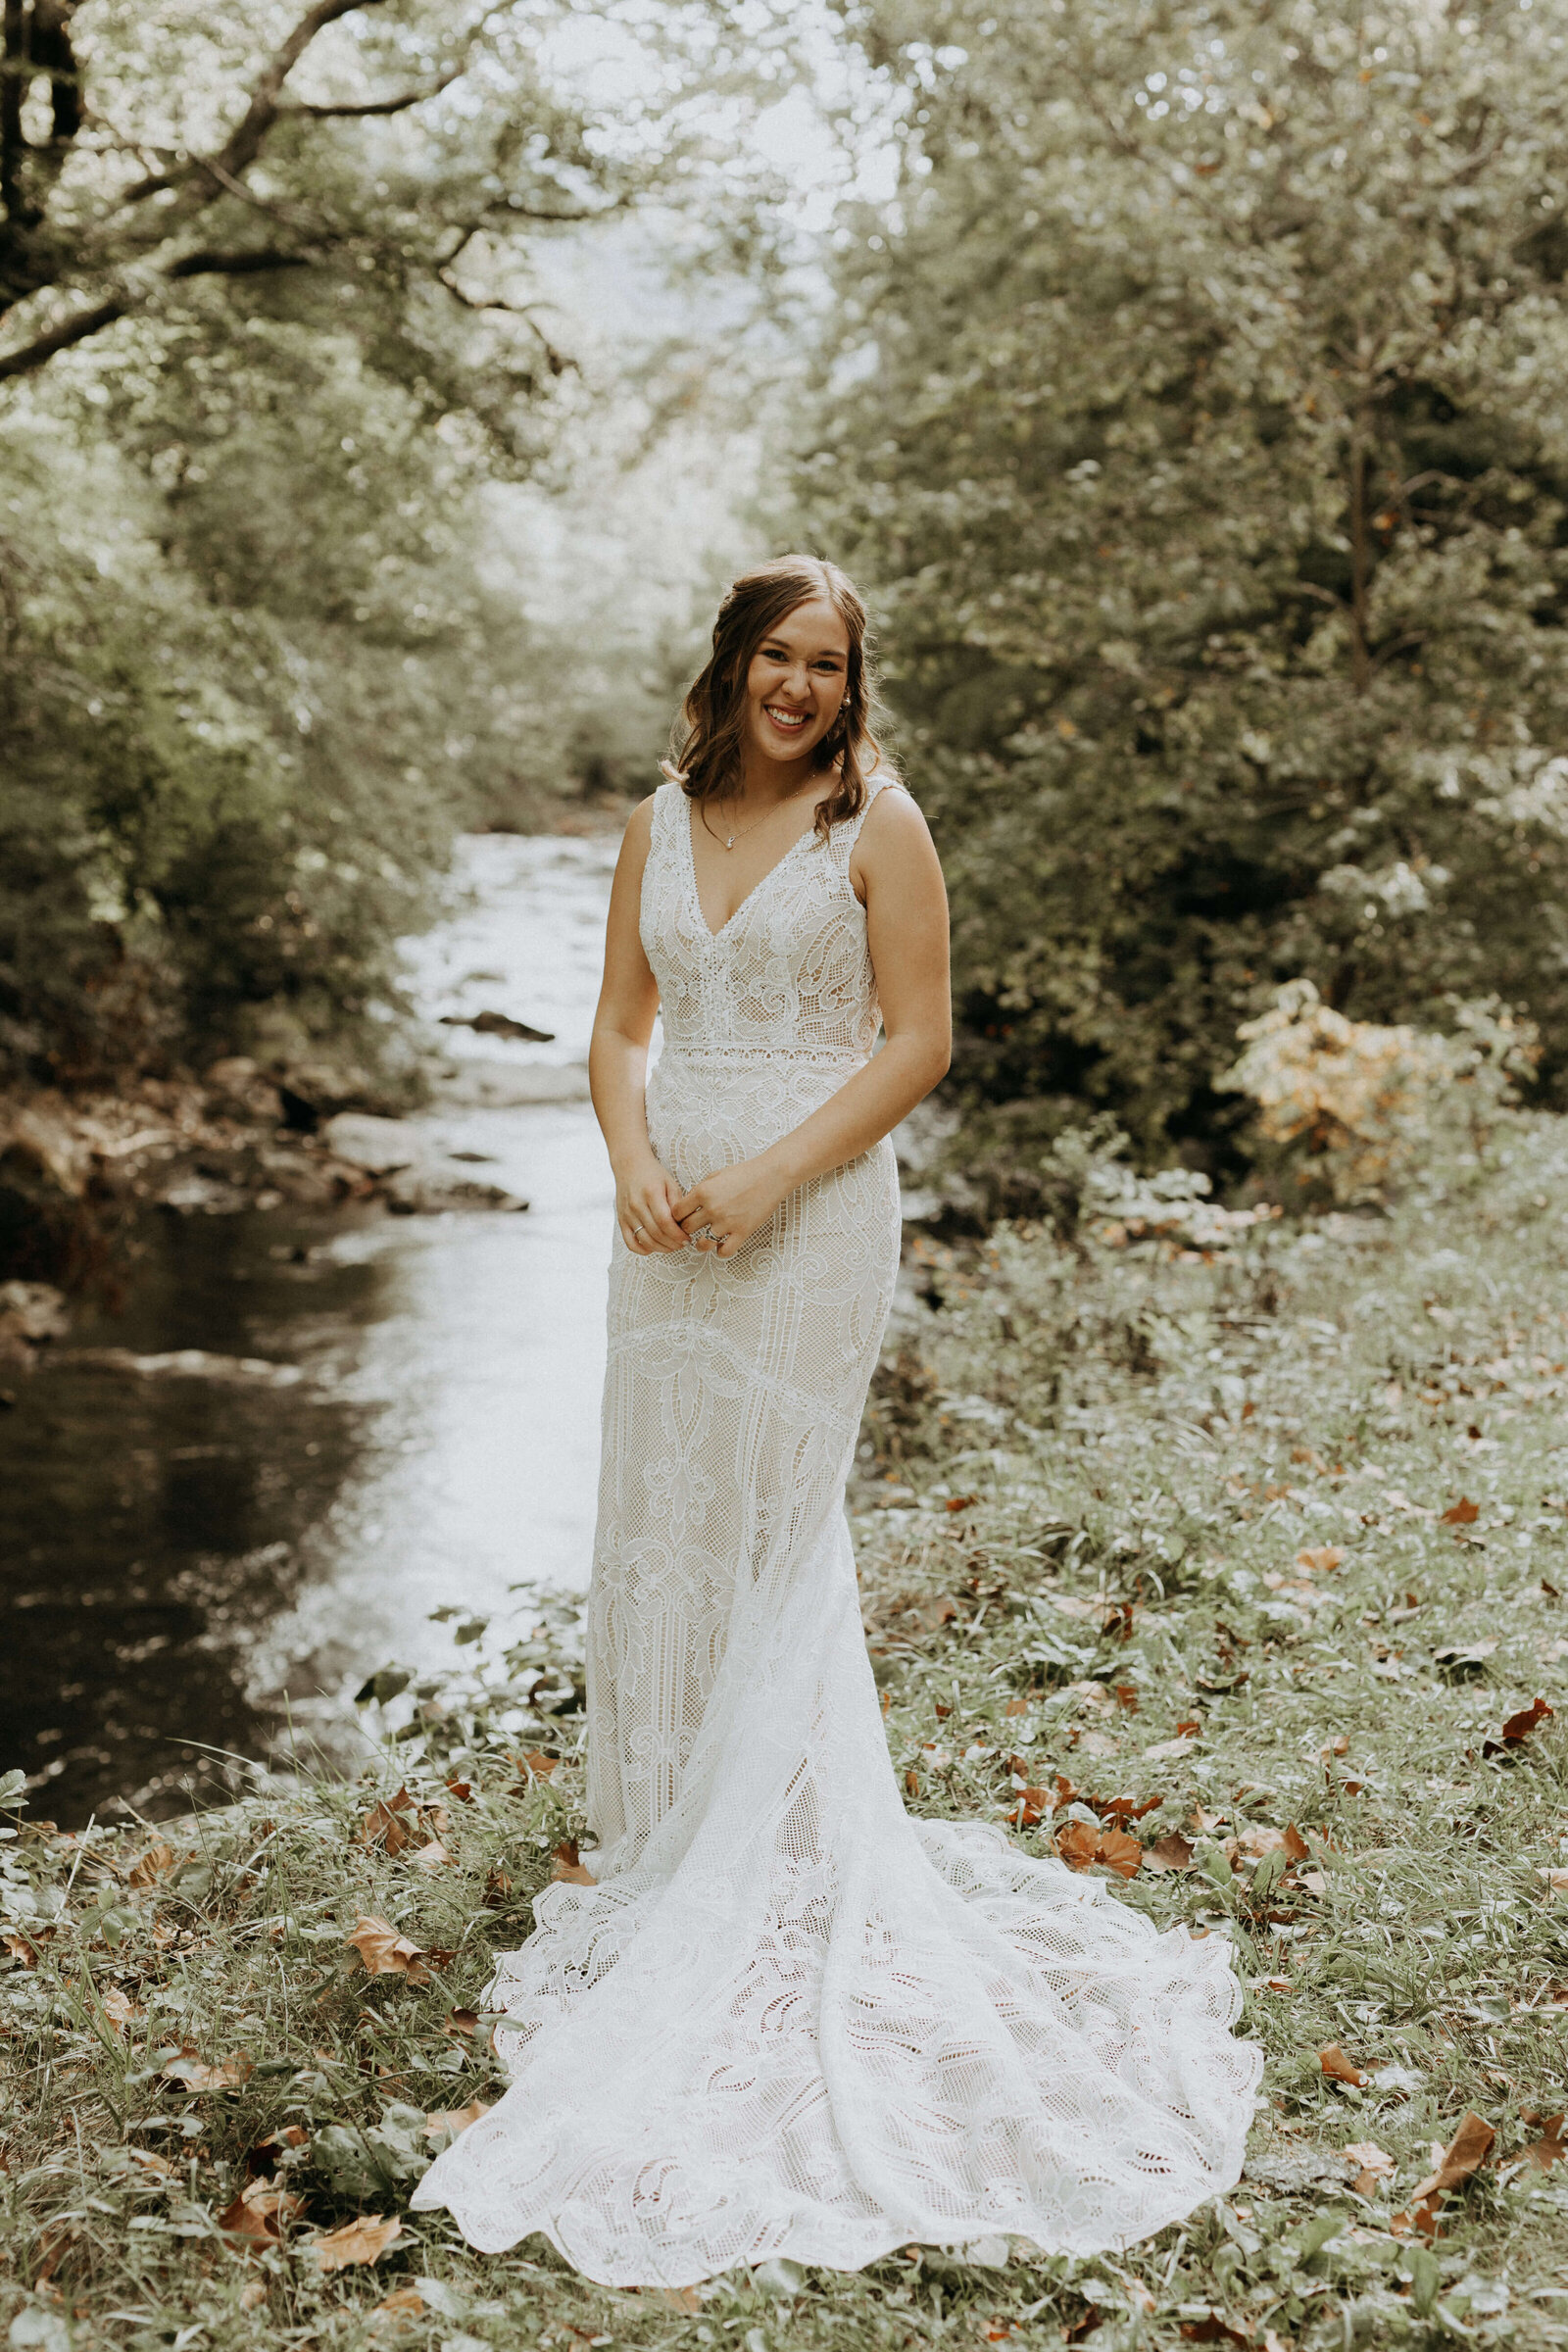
column 202, row 1570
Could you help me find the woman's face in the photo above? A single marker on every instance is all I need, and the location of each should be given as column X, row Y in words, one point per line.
column 797, row 682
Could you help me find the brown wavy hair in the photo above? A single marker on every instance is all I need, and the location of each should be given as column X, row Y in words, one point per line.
column 706, row 744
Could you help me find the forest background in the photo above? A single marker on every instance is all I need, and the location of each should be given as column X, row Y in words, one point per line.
column 384, row 390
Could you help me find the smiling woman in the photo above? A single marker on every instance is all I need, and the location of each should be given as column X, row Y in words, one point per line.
column 782, row 2018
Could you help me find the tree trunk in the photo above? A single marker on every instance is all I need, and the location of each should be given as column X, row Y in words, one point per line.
column 1360, row 555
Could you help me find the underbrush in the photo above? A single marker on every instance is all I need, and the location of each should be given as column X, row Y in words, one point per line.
column 1225, row 1558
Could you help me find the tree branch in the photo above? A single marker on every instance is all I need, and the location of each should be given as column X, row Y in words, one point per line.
column 374, row 106
column 75, row 330
column 245, row 141
column 248, row 262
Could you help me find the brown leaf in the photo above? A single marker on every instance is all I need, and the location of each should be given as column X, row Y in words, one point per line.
column 259, row 2213
column 433, row 1856
column 1212, row 2330
column 120, row 2009
column 187, row 2067
column 1549, row 2148
column 538, row 1764
column 1032, row 1806
column 962, row 1502
column 463, row 2021
column 18, row 1948
column 568, row 1868
column 387, row 1953
column 364, row 2239
column 1170, row 1852
column 382, row 1825
column 1518, row 1728
column 1121, row 1853
column 1077, row 1842
column 1464, row 2153
column 1016, row 1707
column 1369, row 2163
column 1339, row 2068
column 446, row 2124
column 1256, row 1840
column 1296, row 1848
column 1463, row 1513
column 405, row 2303
column 159, row 2167
column 160, row 1861
column 462, row 1790
column 1127, row 1696
column 672, row 2298
column 1320, row 1560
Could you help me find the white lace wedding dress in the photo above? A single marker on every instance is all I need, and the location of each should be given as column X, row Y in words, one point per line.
column 788, row 2019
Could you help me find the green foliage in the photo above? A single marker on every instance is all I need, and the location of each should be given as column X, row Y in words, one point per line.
column 1196, row 419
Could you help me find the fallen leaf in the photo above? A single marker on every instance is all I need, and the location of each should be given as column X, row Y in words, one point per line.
column 1320, row 1560
column 433, row 1856
column 387, row 1953
column 1550, row 2148
column 1369, row 2164
column 120, row 2010
column 364, row 2239
column 1296, row 1848
column 1339, row 2068
column 1119, row 1852
column 567, row 1868
column 18, row 1948
column 1171, row 1852
column 1016, row 1707
column 1212, row 2330
column 462, row 1790
column 449, row 2121
column 1077, row 1842
column 382, row 1824
column 405, row 2303
column 1518, row 1728
column 463, row 2021
column 187, row 2067
column 1032, row 1807
column 159, row 2167
column 1463, row 1513
column 538, row 1763
column 253, row 2295
column 160, row 1861
column 1556, row 1879
column 1463, row 2155
column 962, row 1502
column 1256, row 1840
column 1169, row 1748
column 674, row 2298
column 1127, row 1697
column 259, row 2213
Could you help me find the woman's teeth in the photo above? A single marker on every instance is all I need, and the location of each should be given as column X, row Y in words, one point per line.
column 792, row 719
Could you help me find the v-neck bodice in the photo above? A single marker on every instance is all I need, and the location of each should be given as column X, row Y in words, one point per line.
column 788, row 975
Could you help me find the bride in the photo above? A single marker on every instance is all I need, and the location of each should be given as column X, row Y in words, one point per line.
column 786, row 2018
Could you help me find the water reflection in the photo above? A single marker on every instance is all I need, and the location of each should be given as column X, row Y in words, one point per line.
column 204, row 1567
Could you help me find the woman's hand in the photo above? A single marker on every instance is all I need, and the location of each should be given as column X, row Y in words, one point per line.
column 724, row 1210
column 645, row 1200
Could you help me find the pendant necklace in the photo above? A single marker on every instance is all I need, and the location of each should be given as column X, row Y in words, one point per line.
column 732, row 837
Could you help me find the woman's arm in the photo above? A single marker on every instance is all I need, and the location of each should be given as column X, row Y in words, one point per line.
column 617, row 1057
column 906, row 927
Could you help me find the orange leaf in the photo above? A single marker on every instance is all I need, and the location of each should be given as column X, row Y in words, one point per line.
column 120, row 2010
column 364, row 2239
column 539, row 1763
column 962, row 1502
column 1296, row 1848
column 188, row 2068
column 405, row 2303
column 1016, row 1707
column 1127, row 1696
column 1463, row 1513
column 20, row 1948
column 1077, row 1842
column 1121, row 1853
column 464, row 2021
column 462, row 1790
column 446, row 2125
column 1339, row 2068
column 1320, row 1560
column 387, row 1953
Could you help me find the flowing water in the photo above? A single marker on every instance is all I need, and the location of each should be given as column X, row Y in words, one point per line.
column 205, row 1567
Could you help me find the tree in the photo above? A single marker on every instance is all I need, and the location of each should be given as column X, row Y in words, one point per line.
column 1200, row 424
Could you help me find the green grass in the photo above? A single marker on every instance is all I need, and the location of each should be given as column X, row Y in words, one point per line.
column 1089, row 1469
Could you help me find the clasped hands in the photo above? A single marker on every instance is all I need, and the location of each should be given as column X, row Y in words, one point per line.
column 721, row 1214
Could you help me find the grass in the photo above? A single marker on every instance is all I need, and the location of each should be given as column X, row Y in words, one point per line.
column 1092, row 1465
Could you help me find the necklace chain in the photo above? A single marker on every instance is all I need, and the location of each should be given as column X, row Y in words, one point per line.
column 732, row 837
